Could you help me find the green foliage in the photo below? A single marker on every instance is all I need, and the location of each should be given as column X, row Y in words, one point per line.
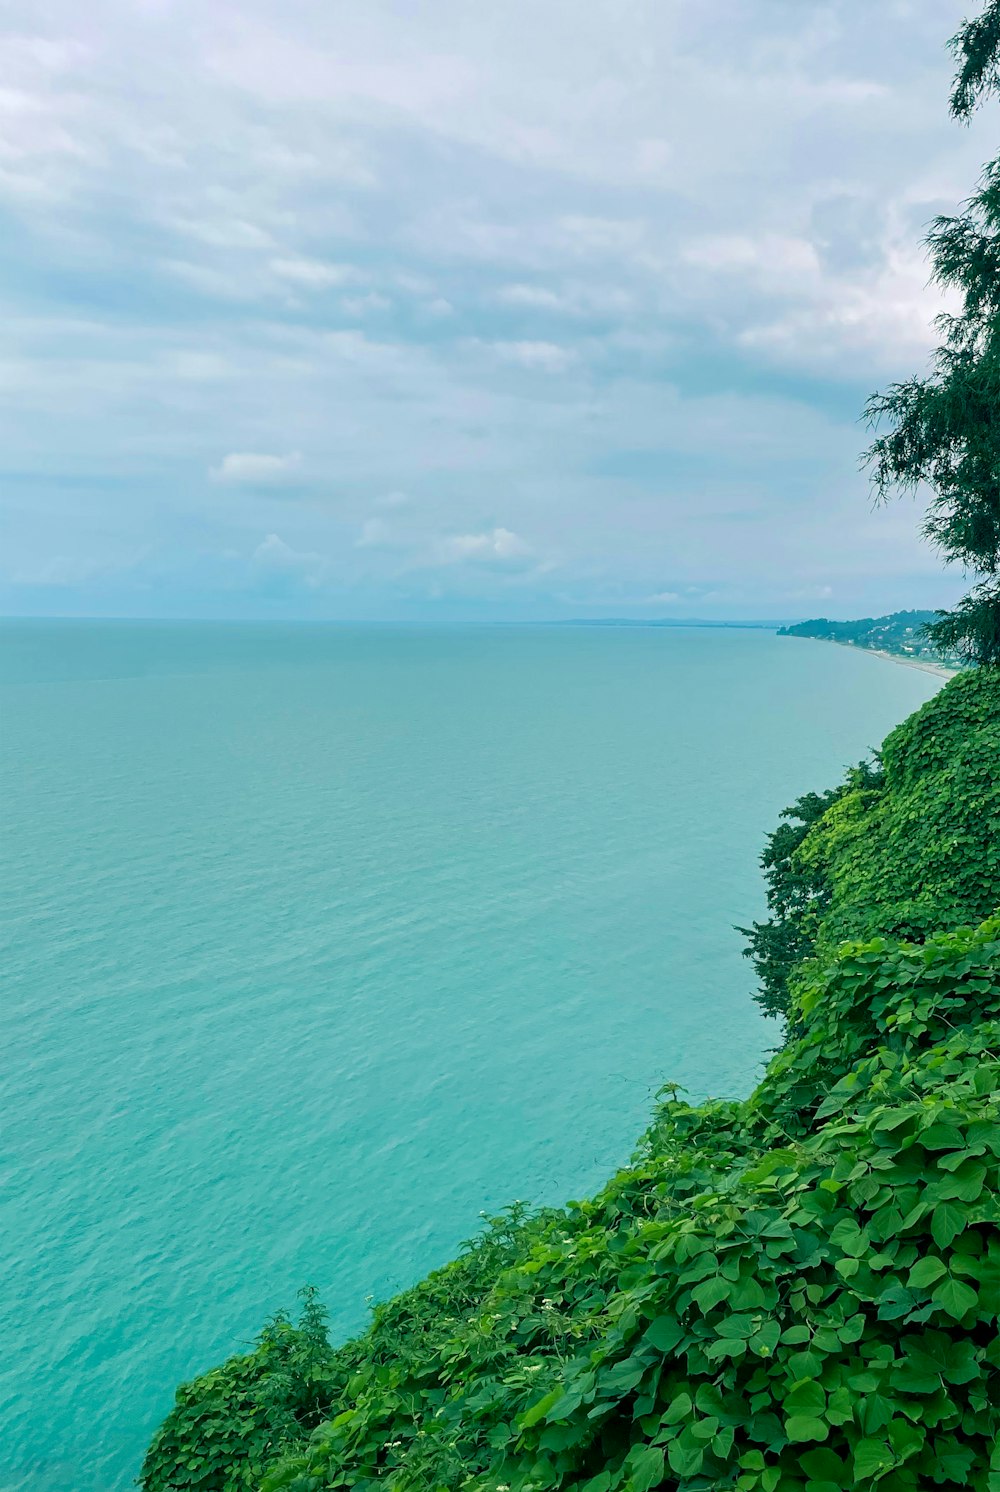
column 798, row 894
column 799, row 1293
column 901, row 632
column 977, row 49
column 226, row 1425
column 907, row 850
column 942, row 428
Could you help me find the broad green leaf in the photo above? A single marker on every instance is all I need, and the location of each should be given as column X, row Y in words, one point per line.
column 822, row 1465
column 711, row 1292
column 801, row 1427
column 925, row 1272
column 539, row 1410
column 870, row 1458
column 947, row 1221
column 678, row 1409
column 645, row 1467
column 955, row 1297
column 805, row 1398
column 685, row 1460
column 664, row 1333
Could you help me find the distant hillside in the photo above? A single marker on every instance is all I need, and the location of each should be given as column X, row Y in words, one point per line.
column 901, row 633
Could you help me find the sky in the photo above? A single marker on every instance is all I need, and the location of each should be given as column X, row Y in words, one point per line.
column 432, row 310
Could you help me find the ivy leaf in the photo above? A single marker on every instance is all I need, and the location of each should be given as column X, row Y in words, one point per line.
column 805, row 1398
column 645, row 1467
column 850, row 1238
column 955, row 1298
column 678, row 1409
column 804, row 1427
column 664, row 1333
column 823, row 1466
column 925, row 1272
column 685, row 1460
column 711, row 1292
column 946, row 1223
column 870, row 1458
column 539, row 1410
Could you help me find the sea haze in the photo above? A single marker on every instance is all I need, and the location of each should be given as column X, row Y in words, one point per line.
column 319, row 940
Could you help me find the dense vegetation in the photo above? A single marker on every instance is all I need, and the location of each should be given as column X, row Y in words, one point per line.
column 903, row 633
column 798, row 1293
column 898, row 849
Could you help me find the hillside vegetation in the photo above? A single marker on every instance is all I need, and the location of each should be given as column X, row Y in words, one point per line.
column 902, row 633
column 798, row 1293
column 905, row 846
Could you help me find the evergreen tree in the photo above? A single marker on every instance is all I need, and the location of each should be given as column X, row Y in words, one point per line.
column 944, row 429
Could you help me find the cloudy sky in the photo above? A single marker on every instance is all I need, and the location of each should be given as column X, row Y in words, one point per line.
column 433, row 309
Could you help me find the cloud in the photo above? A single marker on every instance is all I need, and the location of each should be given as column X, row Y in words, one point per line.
column 365, row 305
column 490, row 547
column 571, row 299
column 313, row 274
column 546, row 357
column 376, row 533
column 256, row 469
column 810, row 593
column 535, row 297
column 643, row 345
column 273, row 559
column 771, row 258
column 67, row 570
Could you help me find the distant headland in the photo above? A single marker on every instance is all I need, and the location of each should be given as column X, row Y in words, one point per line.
column 902, row 635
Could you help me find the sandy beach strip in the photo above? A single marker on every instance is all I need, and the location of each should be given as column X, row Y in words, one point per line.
column 939, row 669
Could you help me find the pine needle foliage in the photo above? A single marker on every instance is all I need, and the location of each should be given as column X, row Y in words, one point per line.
column 977, row 50
column 944, row 429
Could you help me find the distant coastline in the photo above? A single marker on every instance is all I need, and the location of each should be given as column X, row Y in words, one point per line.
column 941, row 670
column 902, row 637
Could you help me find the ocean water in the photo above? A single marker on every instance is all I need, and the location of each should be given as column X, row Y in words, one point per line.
column 319, row 940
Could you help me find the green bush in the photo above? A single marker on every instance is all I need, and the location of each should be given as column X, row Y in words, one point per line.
column 905, row 850
column 227, row 1425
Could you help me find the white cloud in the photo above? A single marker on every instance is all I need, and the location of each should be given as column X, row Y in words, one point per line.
column 593, row 298
column 772, row 257
column 365, row 305
column 256, row 469
column 810, row 593
column 545, row 357
column 535, row 297
column 66, row 570
column 224, row 233
column 497, row 544
column 376, row 533
column 438, row 308
column 219, row 193
column 273, row 559
column 314, row 274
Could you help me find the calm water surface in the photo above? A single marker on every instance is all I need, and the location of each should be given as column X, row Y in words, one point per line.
column 318, row 940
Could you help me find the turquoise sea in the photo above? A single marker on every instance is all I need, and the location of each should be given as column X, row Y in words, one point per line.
column 318, row 940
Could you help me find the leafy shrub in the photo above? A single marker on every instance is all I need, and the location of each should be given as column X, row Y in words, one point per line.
column 226, row 1425
column 798, row 893
column 905, row 851
column 799, row 1293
